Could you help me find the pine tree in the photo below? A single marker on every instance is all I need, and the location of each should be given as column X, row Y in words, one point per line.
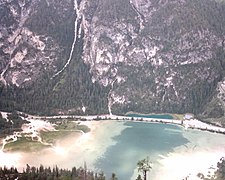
column 114, row 177
column 144, row 166
column 139, row 177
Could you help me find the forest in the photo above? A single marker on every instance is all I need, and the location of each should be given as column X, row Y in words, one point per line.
column 13, row 123
column 43, row 173
column 82, row 173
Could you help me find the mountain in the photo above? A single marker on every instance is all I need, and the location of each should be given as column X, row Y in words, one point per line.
column 90, row 57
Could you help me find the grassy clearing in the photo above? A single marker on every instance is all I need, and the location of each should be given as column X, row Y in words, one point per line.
column 24, row 144
column 67, row 125
column 83, row 128
column 53, row 136
column 178, row 116
column 64, row 128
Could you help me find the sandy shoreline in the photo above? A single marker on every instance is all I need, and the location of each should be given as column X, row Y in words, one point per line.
column 200, row 155
column 71, row 151
column 187, row 164
column 192, row 123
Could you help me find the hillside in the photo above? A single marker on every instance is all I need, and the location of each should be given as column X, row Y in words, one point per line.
column 92, row 57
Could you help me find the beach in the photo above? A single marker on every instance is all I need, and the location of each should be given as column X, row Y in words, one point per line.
column 72, row 150
column 200, row 155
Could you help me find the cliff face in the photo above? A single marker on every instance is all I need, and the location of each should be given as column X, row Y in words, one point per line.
column 28, row 44
column 156, row 55
column 146, row 56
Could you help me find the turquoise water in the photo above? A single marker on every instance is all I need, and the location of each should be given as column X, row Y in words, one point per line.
column 135, row 143
column 157, row 116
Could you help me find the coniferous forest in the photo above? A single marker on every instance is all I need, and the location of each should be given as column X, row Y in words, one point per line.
column 82, row 173
column 55, row 173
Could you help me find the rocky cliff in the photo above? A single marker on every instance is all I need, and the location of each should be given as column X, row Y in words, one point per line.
column 101, row 56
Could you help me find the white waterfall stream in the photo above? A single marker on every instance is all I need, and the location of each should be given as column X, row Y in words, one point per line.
column 3, row 73
column 79, row 16
column 110, row 100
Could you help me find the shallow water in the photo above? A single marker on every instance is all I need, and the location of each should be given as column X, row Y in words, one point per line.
column 116, row 147
column 137, row 142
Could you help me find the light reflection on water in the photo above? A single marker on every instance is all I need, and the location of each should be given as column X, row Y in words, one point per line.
column 137, row 142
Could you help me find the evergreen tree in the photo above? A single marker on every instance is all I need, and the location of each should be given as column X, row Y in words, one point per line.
column 220, row 173
column 139, row 177
column 114, row 177
column 144, row 166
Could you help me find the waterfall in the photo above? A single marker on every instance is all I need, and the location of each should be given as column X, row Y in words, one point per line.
column 3, row 73
column 77, row 12
column 110, row 100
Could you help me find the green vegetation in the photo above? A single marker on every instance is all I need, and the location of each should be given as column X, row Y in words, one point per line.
column 13, row 123
column 156, row 116
column 171, row 25
column 69, row 125
column 53, row 136
column 72, row 88
column 64, row 93
column 24, row 144
column 82, row 173
column 178, row 116
column 214, row 112
column 139, row 177
column 63, row 128
column 113, row 177
column 42, row 173
column 144, row 167
column 219, row 173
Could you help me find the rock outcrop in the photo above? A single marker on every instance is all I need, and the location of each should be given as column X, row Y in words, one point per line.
column 128, row 55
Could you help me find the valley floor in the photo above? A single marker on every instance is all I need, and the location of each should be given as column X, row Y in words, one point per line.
column 192, row 123
column 184, row 161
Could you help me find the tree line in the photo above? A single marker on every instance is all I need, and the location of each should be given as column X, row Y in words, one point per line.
column 48, row 173
column 82, row 173
column 13, row 123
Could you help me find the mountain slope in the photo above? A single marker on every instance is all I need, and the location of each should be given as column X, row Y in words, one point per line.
column 113, row 56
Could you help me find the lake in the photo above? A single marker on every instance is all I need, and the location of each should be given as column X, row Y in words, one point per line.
column 135, row 143
column 157, row 141
column 117, row 146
